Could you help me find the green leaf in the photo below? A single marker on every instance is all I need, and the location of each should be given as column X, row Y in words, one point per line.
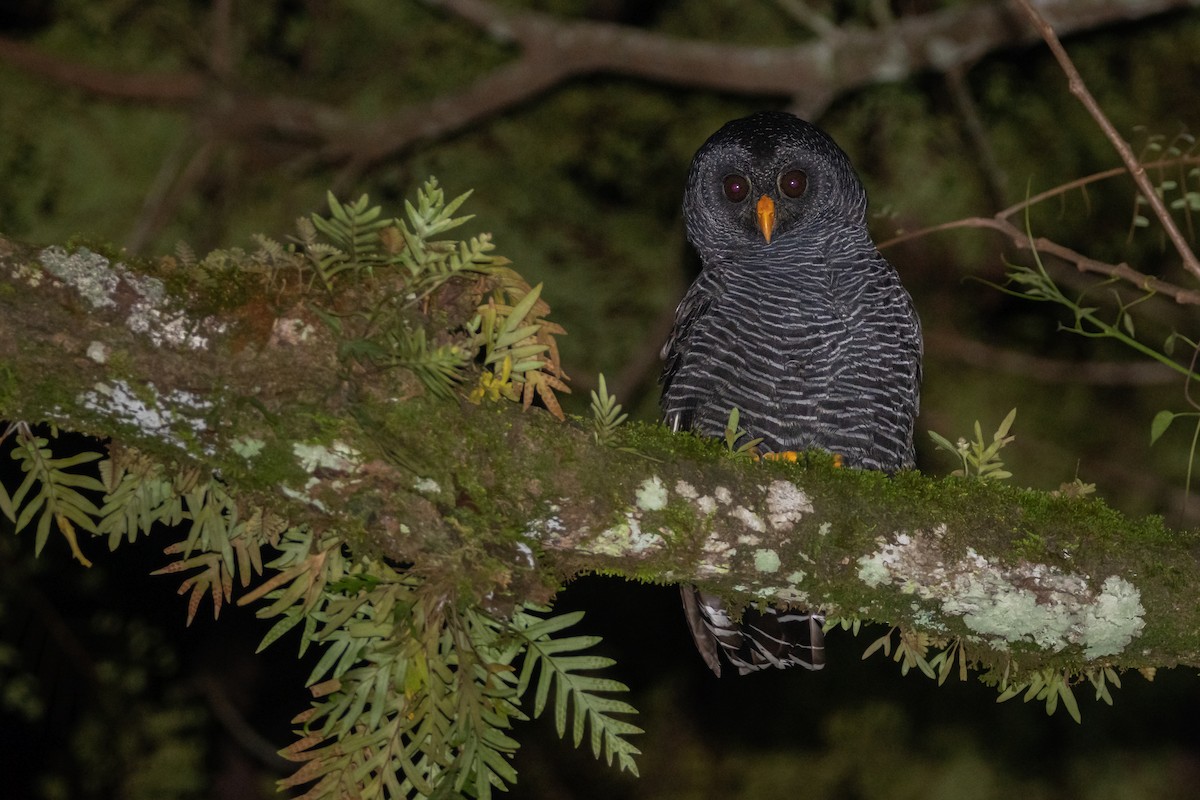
column 1127, row 324
column 1009, row 693
column 1162, row 421
column 278, row 629
column 29, row 511
column 43, row 532
column 333, row 652
column 521, row 310
column 1002, row 431
column 942, row 442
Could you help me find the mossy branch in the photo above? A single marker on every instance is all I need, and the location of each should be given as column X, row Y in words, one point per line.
column 262, row 401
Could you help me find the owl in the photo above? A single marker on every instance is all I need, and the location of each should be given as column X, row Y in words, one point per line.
column 796, row 321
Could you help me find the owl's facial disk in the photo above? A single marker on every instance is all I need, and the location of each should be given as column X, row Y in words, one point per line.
column 766, row 182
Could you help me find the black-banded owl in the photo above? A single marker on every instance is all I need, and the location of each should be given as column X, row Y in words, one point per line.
column 798, row 322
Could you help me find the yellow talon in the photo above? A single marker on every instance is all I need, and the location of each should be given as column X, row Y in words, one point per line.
column 792, row 456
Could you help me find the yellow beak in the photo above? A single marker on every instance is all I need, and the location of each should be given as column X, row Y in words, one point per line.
column 766, row 216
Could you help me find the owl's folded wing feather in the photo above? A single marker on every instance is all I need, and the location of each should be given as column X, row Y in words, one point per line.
column 694, row 306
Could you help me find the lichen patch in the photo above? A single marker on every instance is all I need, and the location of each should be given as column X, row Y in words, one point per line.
column 427, row 486
column 1027, row 602
column 98, row 352
column 717, row 555
column 90, row 274
column 1115, row 617
column 686, row 490
column 247, row 447
column 29, row 274
column 336, row 457
column 290, row 331
column 786, row 505
column 652, row 494
column 98, row 280
column 767, row 560
column 626, row 538
column 748, row 518
column 164, row 417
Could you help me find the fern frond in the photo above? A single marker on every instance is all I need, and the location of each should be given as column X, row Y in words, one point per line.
column 353, row 228
column 50, row 492
column 137, row 496
column 585, row 696
column 306, row 566
column 269, row 251
column 1051, row 687
column 516, row 335
column 328, row 260
column 185, row 254
column 218, row 547
column 606, row 414
column 432, row 215
column 439, row 368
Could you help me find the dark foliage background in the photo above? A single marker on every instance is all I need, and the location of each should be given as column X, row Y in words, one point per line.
column 101, row 692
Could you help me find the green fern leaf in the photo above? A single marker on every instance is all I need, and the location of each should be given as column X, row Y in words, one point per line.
column 579, row 694
column 58, row 492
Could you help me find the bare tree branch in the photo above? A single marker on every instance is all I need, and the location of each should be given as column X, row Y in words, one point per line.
column 181, row 88
column 1002, row 223
column 1043, row 245
column 552, row 50
column 1136, row 169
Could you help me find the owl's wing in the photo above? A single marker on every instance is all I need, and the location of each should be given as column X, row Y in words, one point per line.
column 678, row 411
column 904, row 364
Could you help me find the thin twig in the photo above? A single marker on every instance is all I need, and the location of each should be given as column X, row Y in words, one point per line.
column 1001, row 224
column 163, row 88
column 1087, row 180
column 1042, row 245
column 1136, row 169
column 172, row 186
column 968, row 110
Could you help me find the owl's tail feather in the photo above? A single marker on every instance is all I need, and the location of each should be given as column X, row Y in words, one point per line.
column 771, row 638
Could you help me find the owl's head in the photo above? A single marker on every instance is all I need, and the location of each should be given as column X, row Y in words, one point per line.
column 766, row 180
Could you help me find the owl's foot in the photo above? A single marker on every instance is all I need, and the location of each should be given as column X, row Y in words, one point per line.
column 792, row 456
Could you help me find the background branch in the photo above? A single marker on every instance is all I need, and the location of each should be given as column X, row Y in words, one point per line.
column 553, row 50
column 1136, row 169
column 1080, row 261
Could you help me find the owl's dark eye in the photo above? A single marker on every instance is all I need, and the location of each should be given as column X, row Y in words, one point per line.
column 736, row 188
column 793, row 182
